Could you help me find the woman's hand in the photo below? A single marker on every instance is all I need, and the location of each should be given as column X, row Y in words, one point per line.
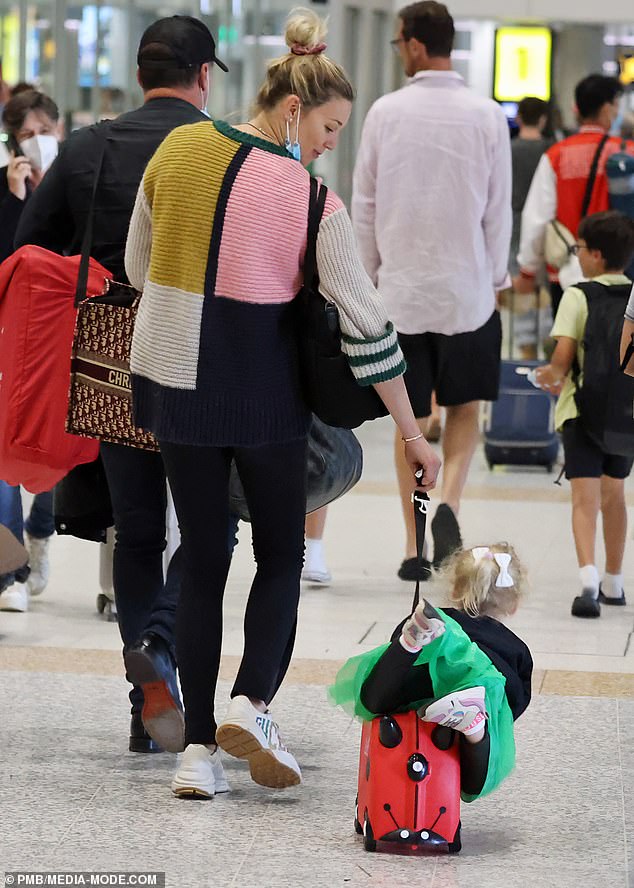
column 419, row 455
column 18, row 171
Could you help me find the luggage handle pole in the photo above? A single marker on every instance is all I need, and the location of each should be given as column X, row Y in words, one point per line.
column 421, row 505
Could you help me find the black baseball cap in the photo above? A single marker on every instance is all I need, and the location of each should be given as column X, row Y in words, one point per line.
column 188, row 41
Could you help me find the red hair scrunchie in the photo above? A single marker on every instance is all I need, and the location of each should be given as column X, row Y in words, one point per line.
column 300, row 49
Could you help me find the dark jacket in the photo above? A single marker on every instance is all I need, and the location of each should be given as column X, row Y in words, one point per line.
column 10, row 211
column 55, row 216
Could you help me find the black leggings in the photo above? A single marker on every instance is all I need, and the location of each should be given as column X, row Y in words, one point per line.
column 395, row 682
column 274, row 480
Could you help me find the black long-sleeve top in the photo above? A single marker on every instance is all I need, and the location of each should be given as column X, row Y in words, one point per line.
column 10, row 211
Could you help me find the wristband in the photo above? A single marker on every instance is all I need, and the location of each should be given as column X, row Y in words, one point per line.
column 529, row 275
column 415, row 438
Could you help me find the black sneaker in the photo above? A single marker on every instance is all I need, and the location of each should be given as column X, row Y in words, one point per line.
column 149, row 665
column 140, row 740
column 608, row 599
column 446, row 533
column 410, row 571
column 586, row 605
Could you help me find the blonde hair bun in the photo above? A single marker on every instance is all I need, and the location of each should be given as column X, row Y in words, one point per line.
column 304, row 28
column 305, row 71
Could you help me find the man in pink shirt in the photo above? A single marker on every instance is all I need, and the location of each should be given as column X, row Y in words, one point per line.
column 432, row 214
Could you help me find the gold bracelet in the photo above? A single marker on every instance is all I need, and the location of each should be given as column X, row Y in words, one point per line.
column 415, row 438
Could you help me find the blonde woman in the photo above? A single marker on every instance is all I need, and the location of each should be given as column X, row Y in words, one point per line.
column 217, row 242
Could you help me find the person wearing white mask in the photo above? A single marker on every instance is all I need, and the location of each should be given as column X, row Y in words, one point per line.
column 31, row 121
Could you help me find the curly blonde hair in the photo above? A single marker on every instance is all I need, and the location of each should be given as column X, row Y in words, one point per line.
column 313, row 77
column 472, row 582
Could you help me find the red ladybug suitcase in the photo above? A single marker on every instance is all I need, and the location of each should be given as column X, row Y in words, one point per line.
column 409, row 788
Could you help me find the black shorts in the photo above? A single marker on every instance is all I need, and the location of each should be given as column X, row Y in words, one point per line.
column 460, row 368
column 585, row 459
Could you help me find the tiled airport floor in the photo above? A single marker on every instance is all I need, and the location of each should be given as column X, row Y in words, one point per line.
column 73, row 799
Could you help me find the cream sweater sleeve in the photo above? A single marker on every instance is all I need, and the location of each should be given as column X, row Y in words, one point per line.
column 368, row 337
column 139, row 243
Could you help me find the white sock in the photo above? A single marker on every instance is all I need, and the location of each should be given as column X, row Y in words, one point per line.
column 612, row 585
column 590, row 579
column 314, row 555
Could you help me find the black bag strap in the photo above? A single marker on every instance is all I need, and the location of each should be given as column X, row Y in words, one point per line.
column 86, row 244
column 421, row 505
column 593, row 175
column 316, row 205
column 628, row 355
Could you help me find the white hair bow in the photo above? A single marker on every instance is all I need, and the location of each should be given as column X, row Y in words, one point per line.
column 481, row 552
column 503, row 559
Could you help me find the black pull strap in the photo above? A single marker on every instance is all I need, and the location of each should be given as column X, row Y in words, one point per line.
column 421, row 505
column 628, row 355
column 86, row 245
column 316, row 205
column 592, row 176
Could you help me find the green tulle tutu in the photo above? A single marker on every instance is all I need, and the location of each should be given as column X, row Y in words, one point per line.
column 455, row 663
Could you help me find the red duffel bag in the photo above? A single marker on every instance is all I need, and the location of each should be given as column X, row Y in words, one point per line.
column 37, row 321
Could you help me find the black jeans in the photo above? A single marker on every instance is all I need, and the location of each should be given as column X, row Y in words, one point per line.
column 274, row 480
column 145, row 601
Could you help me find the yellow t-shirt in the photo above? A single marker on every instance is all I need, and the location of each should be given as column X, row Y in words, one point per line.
column 572, row 315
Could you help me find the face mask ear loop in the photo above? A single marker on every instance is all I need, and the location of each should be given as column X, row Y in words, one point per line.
column 299, row 112
column 287, row 144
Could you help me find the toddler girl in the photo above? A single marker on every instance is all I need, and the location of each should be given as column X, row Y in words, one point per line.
column 460, row 667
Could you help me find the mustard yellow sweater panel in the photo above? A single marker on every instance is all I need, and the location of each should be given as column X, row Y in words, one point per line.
column 182, row 183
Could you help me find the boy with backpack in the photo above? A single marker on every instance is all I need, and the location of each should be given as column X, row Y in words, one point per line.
column 594, row 410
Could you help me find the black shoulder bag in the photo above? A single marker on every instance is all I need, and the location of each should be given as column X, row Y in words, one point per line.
column 330, row 388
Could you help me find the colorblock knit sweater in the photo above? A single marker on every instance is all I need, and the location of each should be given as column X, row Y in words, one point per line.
column 216, row 242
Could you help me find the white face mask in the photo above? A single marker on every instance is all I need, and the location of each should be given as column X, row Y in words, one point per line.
column 40, row 151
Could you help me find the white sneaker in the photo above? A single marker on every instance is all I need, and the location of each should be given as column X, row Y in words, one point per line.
column 420, row 629
column 200, row 774
column 15, row 598
column 321, row 577
column 249, row 734
column 463, row 711
column 38, row 562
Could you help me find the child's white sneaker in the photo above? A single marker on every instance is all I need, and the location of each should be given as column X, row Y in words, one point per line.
column 200, row 774
column 247, row 733
column 420, row 629
column 462, row 711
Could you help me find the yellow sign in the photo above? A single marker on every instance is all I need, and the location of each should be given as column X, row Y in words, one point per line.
column 627, row 69
column 522, row 63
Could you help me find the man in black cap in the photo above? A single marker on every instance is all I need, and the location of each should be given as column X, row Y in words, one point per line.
column 174, row 58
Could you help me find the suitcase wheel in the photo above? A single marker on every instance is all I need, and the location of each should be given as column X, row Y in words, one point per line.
column 369, row 842
column 455, row 846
